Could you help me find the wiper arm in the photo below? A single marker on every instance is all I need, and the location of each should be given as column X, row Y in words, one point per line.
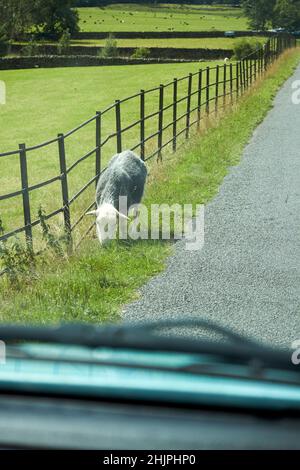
column 142, row 337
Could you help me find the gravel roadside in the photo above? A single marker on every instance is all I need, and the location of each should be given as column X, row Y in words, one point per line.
column 247, row 276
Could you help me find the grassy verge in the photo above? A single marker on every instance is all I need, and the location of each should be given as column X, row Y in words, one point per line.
column 93, row 284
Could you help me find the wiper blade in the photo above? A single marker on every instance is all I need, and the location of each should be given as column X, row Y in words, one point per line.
column 143, row 337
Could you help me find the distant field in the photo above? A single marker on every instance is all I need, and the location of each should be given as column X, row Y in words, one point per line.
column 44, row 102
column 193, row 43
column 135, row 17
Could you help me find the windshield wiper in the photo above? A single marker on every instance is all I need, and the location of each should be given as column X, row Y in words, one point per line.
column 238, row 349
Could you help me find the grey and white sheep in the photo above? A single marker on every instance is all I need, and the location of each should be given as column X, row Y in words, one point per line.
column 125, row 176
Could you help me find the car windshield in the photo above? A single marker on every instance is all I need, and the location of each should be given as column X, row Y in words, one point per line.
column 149, row 181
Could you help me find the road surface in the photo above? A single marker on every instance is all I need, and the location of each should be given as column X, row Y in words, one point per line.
column 247, row 276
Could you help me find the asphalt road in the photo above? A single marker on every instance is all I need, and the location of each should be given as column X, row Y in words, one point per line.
column 247, row 276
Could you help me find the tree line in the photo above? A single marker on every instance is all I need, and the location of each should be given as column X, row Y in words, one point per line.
column 276, row 13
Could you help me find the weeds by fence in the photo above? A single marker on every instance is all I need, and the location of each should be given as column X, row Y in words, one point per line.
column 181, row 104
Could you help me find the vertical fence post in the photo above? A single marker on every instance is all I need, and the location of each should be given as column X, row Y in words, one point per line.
column 266, row 56
column 199, row 98
column 160, row 121
column 142, row 125
column 188, row 106
column 249, row 65
column 98, row 146
column 244, row 75
column 240, row 77
column 237, row 79
column 118, row 126
column 271, row 50
column 25, row 195
column 217, row 88
column 174, row 114
column 64, row 187
column 231, row 82
column 207, row 90
column 224, row 84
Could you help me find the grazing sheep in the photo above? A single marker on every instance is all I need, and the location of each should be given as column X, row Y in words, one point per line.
column 124, row 176
column 226, row 60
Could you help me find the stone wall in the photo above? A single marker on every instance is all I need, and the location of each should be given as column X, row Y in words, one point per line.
column 9, row 63
column 155, row 52
column 160, row 34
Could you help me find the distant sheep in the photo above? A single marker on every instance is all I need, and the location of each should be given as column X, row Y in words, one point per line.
column 125, row 175
column 226, row 60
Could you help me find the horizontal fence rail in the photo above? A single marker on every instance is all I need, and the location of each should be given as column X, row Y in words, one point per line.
column 180, row 104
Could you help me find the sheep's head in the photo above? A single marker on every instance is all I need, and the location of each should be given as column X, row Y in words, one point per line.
column 106, row 221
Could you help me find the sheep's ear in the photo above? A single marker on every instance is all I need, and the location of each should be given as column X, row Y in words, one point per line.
column 91, row 213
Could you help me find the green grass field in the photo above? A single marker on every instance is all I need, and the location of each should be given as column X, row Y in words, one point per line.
column 193, row 43
column 43, row 102
column 161, row 18
column 93, row 284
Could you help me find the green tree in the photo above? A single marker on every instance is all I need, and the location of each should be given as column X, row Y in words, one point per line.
column 15, row 17
column 50, row 16
column 64, row 42
column 110, row 48
column 55, row 16
column 3, row 41
column 259, row 12
column 287, row 14
column 244, row 48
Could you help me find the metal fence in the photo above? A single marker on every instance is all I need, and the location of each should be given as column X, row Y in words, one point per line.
column 178, row 106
